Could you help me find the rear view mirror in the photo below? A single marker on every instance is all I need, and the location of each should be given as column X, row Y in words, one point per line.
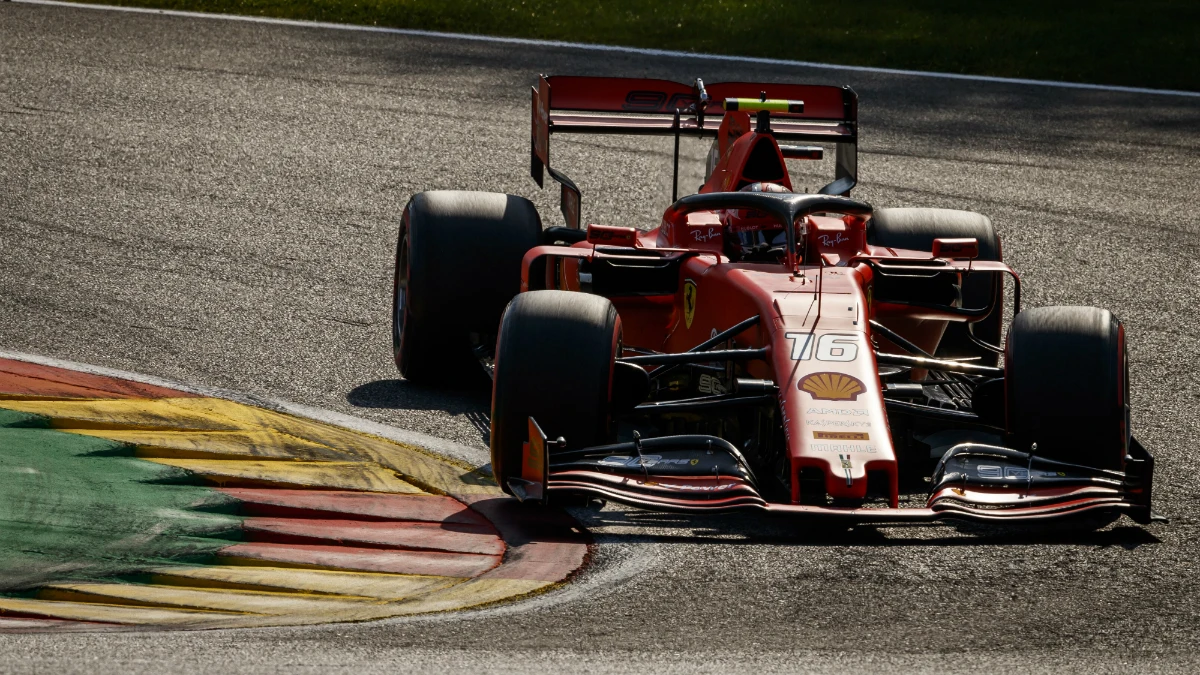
column 963, row 249
column 611, row 236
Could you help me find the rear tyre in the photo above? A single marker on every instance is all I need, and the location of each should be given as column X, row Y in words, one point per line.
column 915, row 230
column 458, row 263
column 554, row 362
column 1067, row 385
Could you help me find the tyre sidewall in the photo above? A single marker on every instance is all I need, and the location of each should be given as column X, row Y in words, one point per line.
column 463, row 266
column 1067, row 385
column 556, row 369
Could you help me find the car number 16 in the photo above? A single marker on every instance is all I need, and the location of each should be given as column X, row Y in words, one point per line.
column 830, row 346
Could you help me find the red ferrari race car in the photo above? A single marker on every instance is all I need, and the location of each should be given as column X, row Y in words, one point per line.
column 805, row 354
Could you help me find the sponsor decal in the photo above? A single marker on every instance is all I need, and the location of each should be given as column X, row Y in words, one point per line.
column 832, row 386
column 689, row 302
column 845, row 424
column 694, row 488
column 841, row 447
column 841, row 436
column 833, row 240
column 648, row 100
column 747, row 220
column 645, row 461
column 851, row 412
column 846, row 466
column 711, row 385
column 834, row 347
column 705, row 234
column 1014, row 473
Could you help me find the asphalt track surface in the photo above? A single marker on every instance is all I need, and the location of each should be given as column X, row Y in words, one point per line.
column 217, row 202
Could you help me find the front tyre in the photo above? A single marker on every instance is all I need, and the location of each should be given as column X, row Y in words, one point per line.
column 1067, row 385
column 554, row 362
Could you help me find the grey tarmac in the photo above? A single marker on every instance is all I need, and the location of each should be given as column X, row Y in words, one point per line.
column 217, row 202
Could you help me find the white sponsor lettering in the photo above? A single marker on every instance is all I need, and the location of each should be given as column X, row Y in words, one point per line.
column 849, row 412
column 840, row 448
column 845, row 424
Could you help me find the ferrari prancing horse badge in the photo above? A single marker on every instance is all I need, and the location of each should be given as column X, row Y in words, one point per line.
column 689, row 302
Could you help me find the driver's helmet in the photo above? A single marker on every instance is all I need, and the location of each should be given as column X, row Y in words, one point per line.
column 753, row 229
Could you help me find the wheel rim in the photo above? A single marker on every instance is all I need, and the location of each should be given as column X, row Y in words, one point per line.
column 400, row 305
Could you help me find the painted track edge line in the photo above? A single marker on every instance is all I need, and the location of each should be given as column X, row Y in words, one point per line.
column 641, row 51
column 476, row 458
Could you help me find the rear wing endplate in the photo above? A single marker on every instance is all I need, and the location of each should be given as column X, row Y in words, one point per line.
column 539, row 156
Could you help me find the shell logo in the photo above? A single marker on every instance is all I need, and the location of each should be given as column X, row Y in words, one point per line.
column 832, row 386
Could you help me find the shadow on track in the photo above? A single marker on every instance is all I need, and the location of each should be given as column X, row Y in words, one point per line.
column 758, row 529
column 472, row 401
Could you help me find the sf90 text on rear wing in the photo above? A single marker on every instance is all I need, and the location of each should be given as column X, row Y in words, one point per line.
column 634, row 106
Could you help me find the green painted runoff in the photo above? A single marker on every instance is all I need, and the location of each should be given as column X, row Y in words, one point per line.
column 74, row 507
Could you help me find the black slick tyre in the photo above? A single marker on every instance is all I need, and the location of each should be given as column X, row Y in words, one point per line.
column 458, row 263
column 554, row 362
column 915, row 229
column 1067, row 385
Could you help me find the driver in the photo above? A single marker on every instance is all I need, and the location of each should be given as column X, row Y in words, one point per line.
column 753, row 235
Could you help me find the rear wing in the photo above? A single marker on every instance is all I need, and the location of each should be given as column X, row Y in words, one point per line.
column 618, row 105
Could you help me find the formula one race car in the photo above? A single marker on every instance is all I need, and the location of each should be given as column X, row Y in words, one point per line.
column 806, row 354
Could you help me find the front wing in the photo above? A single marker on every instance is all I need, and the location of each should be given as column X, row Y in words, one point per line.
column 706, row 474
